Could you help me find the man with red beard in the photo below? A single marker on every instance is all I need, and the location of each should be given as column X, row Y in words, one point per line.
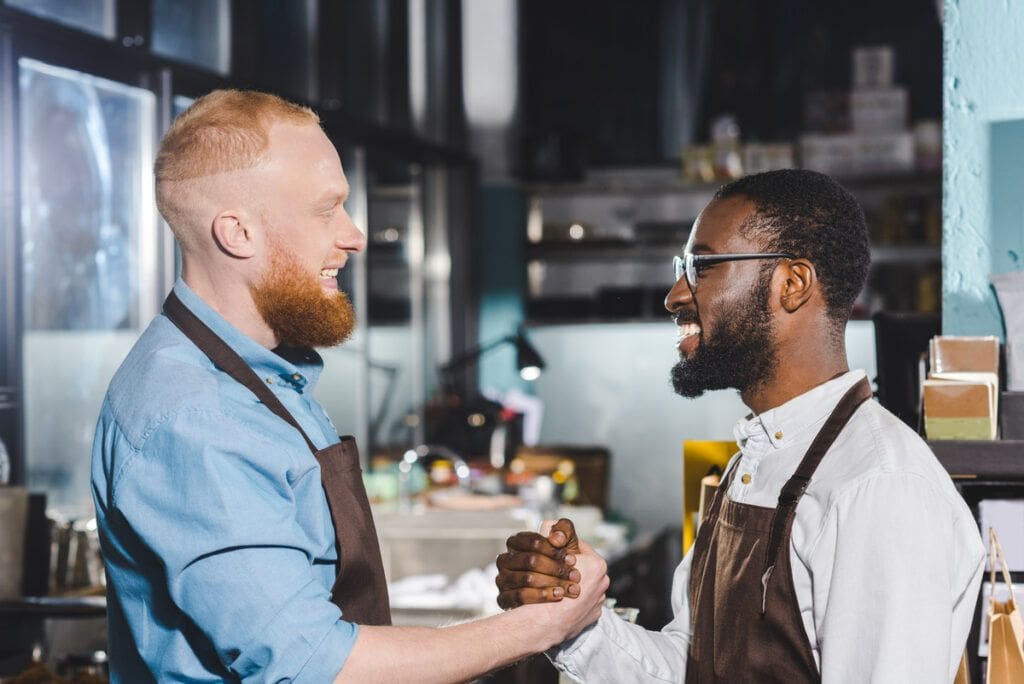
column 837, row 548
column 234, row 525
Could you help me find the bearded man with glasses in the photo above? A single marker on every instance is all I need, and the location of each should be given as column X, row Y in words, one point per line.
column 837, row 548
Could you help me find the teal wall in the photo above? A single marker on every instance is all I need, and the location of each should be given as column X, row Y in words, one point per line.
column 983, row 177
column 502, row 281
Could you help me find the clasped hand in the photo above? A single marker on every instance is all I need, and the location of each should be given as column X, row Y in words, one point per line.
column 551, row 565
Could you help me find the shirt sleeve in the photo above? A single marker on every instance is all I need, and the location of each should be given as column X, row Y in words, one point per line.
column 886, row 576
column 613, row 650
column 211, row 499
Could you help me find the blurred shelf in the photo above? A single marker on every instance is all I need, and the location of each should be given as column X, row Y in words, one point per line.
column 644, row 220
column 55, row 607
column 601, row 250
column 596, row 320
column 911, row 181
column 899, row 254
column 996, row 460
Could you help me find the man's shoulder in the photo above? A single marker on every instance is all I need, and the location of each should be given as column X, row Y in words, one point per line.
column 877, row 444
column 163, row 374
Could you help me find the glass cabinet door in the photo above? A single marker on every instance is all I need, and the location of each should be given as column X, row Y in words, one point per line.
column 395, row 325
column 89, row 249
column 380, row 370
column 342, row 389
column 94, row 16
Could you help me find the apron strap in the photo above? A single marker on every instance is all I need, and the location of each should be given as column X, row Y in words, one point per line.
column 228, row 360
column 723, row 486
column 797, row 484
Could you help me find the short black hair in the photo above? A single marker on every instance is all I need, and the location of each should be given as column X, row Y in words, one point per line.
column 810, row 215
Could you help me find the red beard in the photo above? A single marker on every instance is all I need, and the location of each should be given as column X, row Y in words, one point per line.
column 297, row 309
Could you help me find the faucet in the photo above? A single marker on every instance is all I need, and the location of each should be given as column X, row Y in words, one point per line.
column 421, row 452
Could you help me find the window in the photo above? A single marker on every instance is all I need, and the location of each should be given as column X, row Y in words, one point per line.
column 89, row 244
column 94, row 16
column 194, row 31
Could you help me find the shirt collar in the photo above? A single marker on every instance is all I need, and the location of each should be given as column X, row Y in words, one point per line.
column 782, row 424
column 298, row 369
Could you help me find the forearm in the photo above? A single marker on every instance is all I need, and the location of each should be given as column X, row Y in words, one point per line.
column 449, row 654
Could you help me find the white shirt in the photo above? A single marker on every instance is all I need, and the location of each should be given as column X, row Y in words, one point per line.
column 886, row 556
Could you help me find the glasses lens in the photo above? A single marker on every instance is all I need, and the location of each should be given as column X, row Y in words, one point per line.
column 691, row 272
column 678, row 269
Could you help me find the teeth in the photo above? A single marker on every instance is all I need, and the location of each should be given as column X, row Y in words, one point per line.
column 687, row 329
column 329, row 273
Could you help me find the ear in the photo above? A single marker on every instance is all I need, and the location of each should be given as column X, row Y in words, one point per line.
column 234, row 234
column 799, row 282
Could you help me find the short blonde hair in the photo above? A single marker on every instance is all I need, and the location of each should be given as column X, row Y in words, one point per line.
column 222, row 131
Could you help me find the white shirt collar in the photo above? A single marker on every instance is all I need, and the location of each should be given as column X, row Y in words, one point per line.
column 782, row 424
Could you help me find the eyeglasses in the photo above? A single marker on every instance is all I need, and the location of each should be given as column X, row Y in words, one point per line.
column 690, row 265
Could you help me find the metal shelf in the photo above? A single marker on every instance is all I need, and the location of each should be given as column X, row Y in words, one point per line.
column 901, row 254
column 55, row 607
column 599, row 250
column 897, row 182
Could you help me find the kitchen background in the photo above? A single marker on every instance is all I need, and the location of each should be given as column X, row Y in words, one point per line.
column 520, row 168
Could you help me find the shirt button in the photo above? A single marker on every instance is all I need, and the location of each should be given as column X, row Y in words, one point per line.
column 778, row 434
column 745, row 479
column 270, row 381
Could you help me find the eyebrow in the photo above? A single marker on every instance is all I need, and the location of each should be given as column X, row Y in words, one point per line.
column 700, row 247
column 329, row 200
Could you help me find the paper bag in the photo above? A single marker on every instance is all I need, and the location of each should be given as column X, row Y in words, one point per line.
column 1006, row 629
column 963, row 672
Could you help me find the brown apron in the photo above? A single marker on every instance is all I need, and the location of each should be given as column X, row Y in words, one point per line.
column 359, row 590
column 745, row 618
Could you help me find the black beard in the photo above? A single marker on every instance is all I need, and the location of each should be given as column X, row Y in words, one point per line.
column 739, row 353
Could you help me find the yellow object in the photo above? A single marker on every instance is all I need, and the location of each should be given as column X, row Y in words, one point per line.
column 698, row 458
column 746, row 478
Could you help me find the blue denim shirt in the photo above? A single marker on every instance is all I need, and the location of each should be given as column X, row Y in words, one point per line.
column 215, row 530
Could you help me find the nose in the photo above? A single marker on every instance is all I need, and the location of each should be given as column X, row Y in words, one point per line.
column 679, row 296
column 350, row 238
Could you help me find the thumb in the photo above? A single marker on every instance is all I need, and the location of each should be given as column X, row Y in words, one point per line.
column 563, row 535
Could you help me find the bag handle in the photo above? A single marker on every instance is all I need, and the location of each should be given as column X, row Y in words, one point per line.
column 995, row 552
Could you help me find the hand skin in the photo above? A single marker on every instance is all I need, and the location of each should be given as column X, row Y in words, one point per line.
column 539, row 568
column 463, row 652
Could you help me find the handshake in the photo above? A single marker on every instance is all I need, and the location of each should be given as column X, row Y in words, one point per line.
column 546, row 567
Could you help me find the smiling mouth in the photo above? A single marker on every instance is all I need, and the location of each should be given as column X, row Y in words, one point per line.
column 329, row 279
column 687, row 337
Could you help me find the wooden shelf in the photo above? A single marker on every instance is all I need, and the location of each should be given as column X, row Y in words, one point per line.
column 997, row 460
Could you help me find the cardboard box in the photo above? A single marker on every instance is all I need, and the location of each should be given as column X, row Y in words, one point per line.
column 761, row 157
column 961, row 408
column 858, row 154
column 873, row 66
column 879, row 110
column 963, row 354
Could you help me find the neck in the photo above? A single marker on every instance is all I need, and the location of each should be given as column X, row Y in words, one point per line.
column 231, row 298
column 797, row 372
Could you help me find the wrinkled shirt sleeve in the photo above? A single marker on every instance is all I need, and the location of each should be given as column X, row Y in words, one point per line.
column 885, row 571
column 212, row 500
column 613, row 650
